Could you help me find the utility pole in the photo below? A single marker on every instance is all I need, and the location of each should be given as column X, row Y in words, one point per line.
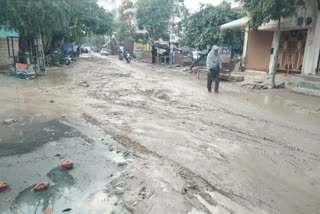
column 172, row 30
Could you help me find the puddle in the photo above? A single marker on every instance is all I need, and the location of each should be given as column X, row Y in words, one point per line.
column 33, row 153
column 20, row 138
column 64, row 194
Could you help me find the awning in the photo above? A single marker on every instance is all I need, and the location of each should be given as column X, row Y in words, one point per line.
column 236, row 23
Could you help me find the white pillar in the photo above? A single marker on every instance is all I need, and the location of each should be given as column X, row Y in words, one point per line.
column 245, row 44
column 274, row 45
column 312, row 48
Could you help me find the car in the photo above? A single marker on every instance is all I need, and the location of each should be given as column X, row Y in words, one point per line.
column 86, row 50
column 104, row 51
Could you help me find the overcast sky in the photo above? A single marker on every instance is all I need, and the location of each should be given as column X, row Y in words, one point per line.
column 194, row 5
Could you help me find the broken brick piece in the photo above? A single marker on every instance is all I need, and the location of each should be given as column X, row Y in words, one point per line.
column 47, row 211
column 3, row 186
column 41, row 186
column 66, row 164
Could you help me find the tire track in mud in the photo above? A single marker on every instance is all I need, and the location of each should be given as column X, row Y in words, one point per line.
column 194, row 183
column 268, row 141
column 185, row 109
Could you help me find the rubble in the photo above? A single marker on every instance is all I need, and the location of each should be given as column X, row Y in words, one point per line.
column 9, row 121
column 3, row 186
column 261, row 85
column 66, row 164
column 41, row 186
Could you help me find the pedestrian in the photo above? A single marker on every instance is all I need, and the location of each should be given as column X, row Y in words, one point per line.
column 214, row 66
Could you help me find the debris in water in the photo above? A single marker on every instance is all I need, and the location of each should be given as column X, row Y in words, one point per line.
column 120, row 184
column 111, row 148
column 126, row 153
column 135, row 203
column 142, row 192
column 184, row 191
column 51, row 101
column 66, row 164
column 122, row 164
column 41, row 186
column 3, row 186
column 9, row 121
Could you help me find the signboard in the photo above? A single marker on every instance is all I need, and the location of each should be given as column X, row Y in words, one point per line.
column 225, row 54
column 173, row 38
column 21, row 66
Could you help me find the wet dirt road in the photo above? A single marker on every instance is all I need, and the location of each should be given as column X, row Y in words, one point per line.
column 193, row 152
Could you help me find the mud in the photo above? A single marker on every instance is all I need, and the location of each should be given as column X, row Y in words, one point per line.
column 192, row 152
column 38, row 157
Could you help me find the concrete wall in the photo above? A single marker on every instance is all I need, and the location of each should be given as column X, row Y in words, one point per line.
column 5, row 61
column 312, row 47
column 291, row 23
column 258, row 50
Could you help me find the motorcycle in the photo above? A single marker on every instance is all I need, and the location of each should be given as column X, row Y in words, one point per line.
column 66, row 60
column 128, row 57
column 120, row 56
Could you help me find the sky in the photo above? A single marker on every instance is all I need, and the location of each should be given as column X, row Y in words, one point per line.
column 194, row 5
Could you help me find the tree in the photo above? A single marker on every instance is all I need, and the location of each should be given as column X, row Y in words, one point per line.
column 55, row 21
column 154, row 16
column 125, row 31
column 265, row 11
column 203, row 27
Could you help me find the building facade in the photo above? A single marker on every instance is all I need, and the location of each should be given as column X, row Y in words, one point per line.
column 5, row 61
column 299, row 46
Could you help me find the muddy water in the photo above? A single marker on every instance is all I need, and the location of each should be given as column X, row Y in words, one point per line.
column 32, row 149
column 81, row 189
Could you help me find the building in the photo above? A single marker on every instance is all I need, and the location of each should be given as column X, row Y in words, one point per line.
column 5, row 61
column 299, row 47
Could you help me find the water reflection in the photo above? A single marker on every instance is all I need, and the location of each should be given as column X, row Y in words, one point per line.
column 62, row 186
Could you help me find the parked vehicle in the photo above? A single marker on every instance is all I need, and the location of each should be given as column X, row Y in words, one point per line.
column 66, row 59
column 128, row 56
column 104, row 52
column 86, row 50
column 53, row 58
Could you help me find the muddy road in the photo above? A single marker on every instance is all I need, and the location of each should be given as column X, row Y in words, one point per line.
column 185, row 151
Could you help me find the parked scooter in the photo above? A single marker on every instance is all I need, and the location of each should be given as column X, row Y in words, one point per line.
column 66, row 59
column 120, row 55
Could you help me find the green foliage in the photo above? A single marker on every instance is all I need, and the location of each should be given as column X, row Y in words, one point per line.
column 125, row 31
column 267, row 10
column 56, row 20
column 29, row 17
column 94, row 40
column 203, row 28
column 141, row 38
column 154, row 16
column 129, row 4
column 125, row 5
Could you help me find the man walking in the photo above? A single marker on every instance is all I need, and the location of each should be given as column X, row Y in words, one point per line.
column 214, row 66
